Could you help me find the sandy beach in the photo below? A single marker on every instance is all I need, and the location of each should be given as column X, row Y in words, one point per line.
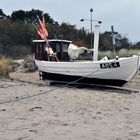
column 33, row 110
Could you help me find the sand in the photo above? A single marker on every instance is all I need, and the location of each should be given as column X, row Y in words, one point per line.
column 67, row 113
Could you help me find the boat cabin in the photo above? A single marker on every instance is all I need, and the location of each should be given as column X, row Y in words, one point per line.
column 59, row 47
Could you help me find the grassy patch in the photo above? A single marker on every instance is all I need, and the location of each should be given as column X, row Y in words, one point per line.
column 120, row 53
column 4, row 67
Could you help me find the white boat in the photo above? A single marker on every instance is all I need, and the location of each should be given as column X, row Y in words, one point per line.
column 115, row 72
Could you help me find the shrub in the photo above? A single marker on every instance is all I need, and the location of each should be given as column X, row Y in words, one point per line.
column 29, row 64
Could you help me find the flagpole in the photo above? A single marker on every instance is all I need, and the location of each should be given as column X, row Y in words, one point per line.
column 42, row 31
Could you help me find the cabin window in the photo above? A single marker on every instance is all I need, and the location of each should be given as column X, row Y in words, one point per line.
column 65, row 47
column 58, row 48
column 39, row 51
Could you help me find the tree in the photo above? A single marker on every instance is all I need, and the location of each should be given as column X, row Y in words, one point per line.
column 18, row 15
column 105, row 41
column 136, row 45
column 17, row 33
column 29, row 16
column 48, row 18
column 68, row 31
column 1, row 13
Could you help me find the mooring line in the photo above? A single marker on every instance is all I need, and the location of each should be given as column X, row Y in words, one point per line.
column 45, row 92
column 66, row 85
column 108, row 88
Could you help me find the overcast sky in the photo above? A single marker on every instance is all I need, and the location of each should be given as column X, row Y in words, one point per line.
column 124, row 15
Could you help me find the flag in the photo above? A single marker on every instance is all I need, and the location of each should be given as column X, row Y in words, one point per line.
column 42, row 31
column 41, row 27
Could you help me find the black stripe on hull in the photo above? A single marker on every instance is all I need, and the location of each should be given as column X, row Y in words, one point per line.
column 70, row 78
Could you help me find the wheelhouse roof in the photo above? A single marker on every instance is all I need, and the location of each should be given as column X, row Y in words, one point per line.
column 52, row 40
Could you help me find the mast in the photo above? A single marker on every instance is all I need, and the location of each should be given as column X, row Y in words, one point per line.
column 113, row 40
column 96, row 42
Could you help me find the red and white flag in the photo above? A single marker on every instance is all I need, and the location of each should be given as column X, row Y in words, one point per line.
column 41, row 27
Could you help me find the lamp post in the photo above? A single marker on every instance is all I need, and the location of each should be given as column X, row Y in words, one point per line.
column 91, row 20
column 91, row 43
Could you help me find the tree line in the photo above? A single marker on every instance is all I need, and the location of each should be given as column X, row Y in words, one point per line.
column 17, row 33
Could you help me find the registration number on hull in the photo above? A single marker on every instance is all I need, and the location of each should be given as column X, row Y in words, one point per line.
column 109, row 65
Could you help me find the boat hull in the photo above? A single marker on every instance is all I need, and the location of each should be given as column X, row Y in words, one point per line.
column 111, row 72
column 82, row 80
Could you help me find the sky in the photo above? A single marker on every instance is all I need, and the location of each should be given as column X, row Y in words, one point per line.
column 124, row 15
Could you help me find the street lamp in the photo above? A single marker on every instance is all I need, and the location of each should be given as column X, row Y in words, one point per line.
column 91, row 10
column 91, row 20
column 99, row 22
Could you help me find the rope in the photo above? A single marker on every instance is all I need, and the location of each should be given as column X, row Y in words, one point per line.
column 45, row 92
column 65, row 85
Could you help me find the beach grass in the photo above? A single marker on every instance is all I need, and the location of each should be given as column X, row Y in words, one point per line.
column 120, row 53
column 9, row 65
column 4, row 66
